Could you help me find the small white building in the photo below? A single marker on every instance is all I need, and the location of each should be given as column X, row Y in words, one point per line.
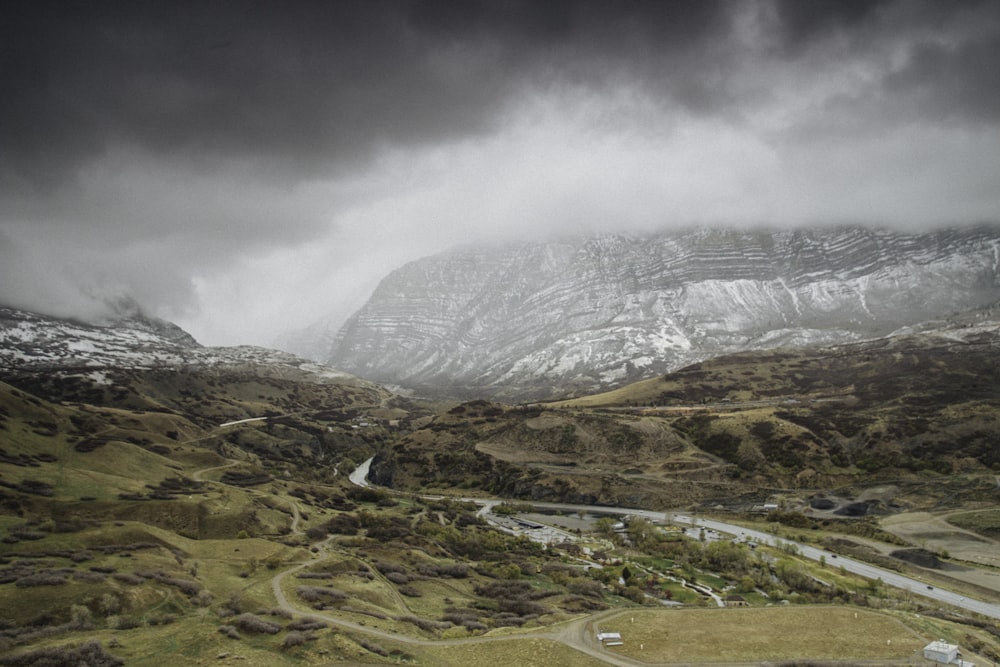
column 609, row 637
column 941, row 651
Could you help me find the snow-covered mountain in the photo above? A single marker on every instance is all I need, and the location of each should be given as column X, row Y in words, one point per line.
column 537, row 319
column 31, row 343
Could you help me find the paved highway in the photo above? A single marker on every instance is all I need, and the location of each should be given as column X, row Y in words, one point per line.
column 855, row 567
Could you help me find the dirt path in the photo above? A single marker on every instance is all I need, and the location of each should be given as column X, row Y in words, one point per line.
column 575, row 634
column 198, row 475
column 293, row 507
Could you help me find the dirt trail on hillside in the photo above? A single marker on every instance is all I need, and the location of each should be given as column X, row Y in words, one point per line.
column 575, row 634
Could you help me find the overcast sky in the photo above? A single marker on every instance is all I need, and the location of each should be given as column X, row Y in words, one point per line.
column 244, row 168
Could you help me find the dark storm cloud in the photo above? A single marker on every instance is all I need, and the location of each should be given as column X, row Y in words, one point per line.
column 174, row 150
column 304, row 85
column 952, row 81
column 802, row 22
column 297, row 86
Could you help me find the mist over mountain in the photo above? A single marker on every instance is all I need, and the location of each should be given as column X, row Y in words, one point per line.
column 539, row 319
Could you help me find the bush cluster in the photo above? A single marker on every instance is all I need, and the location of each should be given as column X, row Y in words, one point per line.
column 256, row 625
column 229, row 631
column 91, row 654
column 318, row 596
column 186, row 586
column 306, row 624
column 425, row 624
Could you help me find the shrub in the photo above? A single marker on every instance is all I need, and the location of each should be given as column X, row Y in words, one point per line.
column 89, row 577
column 11, row 574
column 81, row 618
column 315, row 533
column 276, row 611
column 461, row 616
column 293, row 639
column 587, row 587
column 374, row 648
column 91, row 654
column 455, row 571
column 508, row 620
column 186, row 586
column 123, row 622
column 229, row 631
column 425, row 624
column 343, row 524
column 305, row 624
column 41, row 579
column 35, row 486
column 319, row 594
column 162, row 619
column 398, row 578
column 389, row 568
column 256, row 625
column 25, row 533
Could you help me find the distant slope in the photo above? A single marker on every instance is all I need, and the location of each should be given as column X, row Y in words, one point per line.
column 918, row 402
column 910, row 409
column 129, row 365
column 107, row 422
column 541, row 319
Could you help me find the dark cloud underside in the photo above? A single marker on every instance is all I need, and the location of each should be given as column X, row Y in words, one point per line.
column 191, row 136
column 310, row 85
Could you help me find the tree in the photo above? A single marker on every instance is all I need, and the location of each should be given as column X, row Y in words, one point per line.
column 641, row 532
column 746, row 585
column 605, row 527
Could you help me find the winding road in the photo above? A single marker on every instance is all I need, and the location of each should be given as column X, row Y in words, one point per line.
column 579, row 634
column 859, row 568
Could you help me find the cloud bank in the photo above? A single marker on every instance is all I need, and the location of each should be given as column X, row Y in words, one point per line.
column 244, row 168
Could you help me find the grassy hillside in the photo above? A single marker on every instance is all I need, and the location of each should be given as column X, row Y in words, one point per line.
column 135, row 512
column 922, row 410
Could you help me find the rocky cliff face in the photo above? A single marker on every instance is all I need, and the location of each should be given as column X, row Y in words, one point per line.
column 539, row 319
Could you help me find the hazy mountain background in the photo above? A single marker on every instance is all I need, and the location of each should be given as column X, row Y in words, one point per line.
column 540, row 319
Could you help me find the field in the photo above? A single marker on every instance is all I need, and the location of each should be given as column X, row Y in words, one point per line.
column 964, row 536
column 533, row 652
column 983, row 522
column 764, row 634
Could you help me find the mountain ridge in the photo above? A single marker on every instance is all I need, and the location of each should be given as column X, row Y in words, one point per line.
column 531, row 320
column 63, row 353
